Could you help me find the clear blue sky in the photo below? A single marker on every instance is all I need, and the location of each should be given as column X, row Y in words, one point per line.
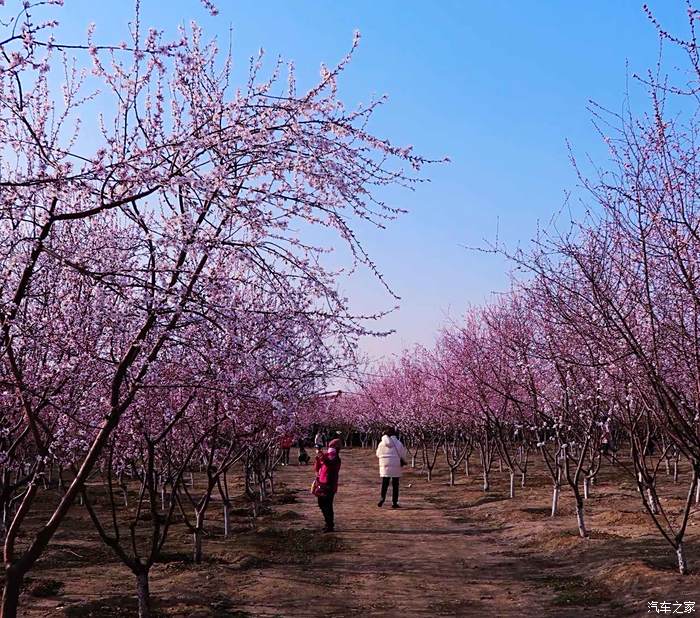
column 497, row 86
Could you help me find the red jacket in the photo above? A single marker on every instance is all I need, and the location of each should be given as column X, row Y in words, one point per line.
column 327, row 467
column 286, row 442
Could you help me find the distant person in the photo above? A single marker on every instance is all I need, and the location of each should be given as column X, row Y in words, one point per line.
column 327, row 467
column 392, row 456
column 606, row 442
column 286, row 445
column 320, row 439
column 303, row 455
column 339, row 435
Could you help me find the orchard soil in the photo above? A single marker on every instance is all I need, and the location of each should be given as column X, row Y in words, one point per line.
column 449, row 551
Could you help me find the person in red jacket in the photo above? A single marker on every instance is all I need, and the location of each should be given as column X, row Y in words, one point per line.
column 327, row 467
column 285, row 445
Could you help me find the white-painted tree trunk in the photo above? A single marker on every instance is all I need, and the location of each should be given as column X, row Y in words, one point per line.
column 512, row 484
column 580, row 521
column 653, row 504
column 586, row 482
column 555, row 499
column 682, row 564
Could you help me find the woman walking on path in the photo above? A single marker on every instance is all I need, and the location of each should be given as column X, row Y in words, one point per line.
column 327, row 467
column 392, row 455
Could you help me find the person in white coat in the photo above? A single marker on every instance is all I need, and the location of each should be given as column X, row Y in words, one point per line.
column 390, row 454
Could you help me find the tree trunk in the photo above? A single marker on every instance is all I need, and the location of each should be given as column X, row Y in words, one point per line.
column 197, row 537
column 555, row 499
column 143, row 594
column 452, row 477
column 522, row 480
column 487, row 486
column 586, row 482
column 579, row 518
column 653, row 504
column 10, row 594
column 682, row 564
column 227, row 508
column 512, row 484
column 466, row 466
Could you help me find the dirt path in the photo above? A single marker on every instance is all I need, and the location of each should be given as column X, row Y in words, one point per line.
column 449, row 551
column 425, row 559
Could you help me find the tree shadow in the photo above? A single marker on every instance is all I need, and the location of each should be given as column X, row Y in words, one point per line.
column 418, row 531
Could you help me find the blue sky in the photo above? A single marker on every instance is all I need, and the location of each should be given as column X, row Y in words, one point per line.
column 497, row 86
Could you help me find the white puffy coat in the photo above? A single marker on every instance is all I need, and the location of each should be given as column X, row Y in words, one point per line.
column 389, row 452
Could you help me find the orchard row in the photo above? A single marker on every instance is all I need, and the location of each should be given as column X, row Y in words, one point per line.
column 165, row 300
column 595, row 348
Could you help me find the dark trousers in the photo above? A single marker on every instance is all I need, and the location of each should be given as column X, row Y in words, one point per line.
column 285, row 456
column 394, row 488
column 325, row 503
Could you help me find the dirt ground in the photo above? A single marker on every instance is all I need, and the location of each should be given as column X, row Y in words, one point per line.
column 449, row 551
